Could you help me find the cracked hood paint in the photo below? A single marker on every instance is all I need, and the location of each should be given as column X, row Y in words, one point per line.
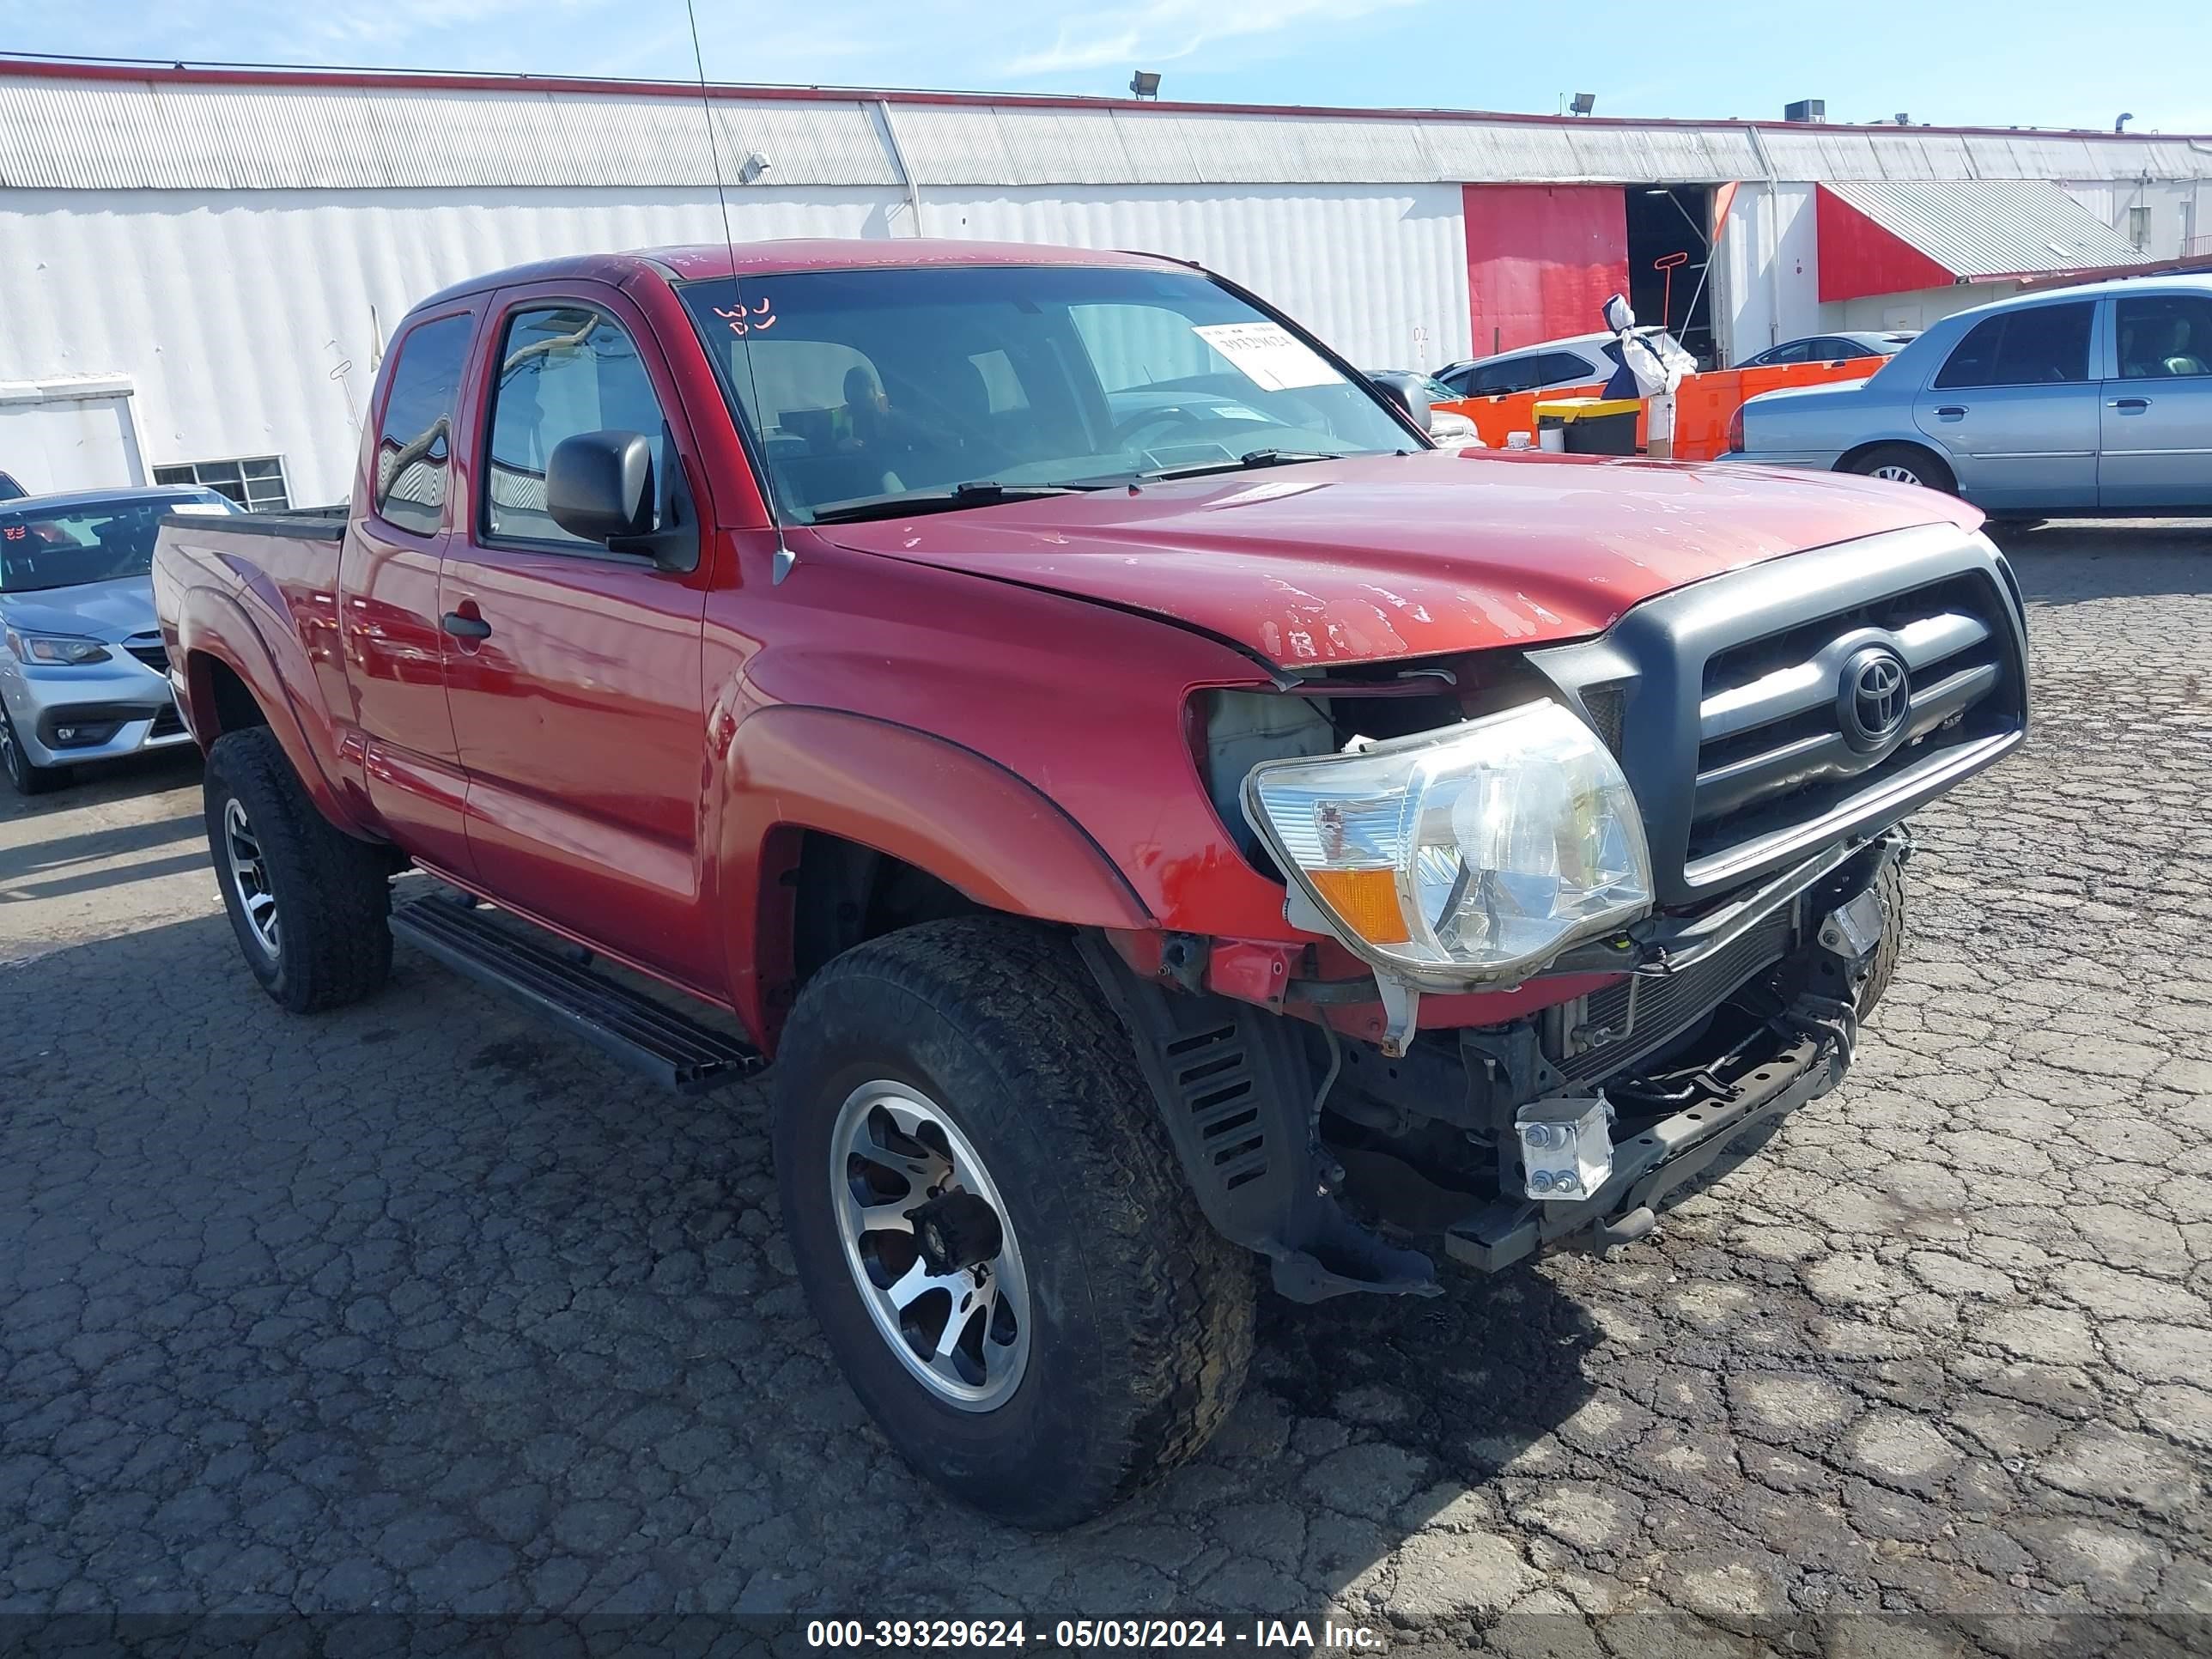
column 1390, row 557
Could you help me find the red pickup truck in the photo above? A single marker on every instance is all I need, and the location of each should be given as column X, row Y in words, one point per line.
column 1156, row 810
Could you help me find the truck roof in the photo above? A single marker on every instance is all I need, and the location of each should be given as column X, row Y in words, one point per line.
column 707, row 260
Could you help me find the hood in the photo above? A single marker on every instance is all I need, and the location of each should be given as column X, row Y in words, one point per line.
column 1392, row 556
column 108, row 611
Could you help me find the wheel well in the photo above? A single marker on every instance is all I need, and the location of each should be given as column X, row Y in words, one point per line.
column 845, row 894
column 1844, row 460
column 222, row 696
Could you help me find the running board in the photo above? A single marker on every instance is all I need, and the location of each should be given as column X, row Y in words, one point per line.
column 663, row 1044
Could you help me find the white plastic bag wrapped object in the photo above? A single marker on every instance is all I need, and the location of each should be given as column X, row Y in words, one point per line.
column 1653, row 362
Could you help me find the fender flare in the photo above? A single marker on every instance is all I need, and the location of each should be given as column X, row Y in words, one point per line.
column 945, row 809
column 213, row 627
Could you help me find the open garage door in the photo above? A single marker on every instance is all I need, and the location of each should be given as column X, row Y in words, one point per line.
column 1541, row 260
column 69, row 435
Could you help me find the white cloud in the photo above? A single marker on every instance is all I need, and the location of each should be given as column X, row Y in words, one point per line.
column 1166, row 30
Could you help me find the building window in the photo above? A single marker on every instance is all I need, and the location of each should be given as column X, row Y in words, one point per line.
column 256, row 482
column 2139, row 225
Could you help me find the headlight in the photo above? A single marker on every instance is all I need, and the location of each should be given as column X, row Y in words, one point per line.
column 61, row 649
column 1475, row 853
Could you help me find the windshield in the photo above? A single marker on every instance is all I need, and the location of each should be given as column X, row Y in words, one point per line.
column 87, row 541
column 869, row 391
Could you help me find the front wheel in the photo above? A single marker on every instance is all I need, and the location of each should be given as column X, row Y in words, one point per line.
column 310, row 904
column 1889, row 889
column 991, row 1226
column 1906, row 463
column 25, row 775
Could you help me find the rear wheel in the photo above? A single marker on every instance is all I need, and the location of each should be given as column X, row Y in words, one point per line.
column 309, row 903
column 991, row 1226
column 27, row 776
column 1903, row 464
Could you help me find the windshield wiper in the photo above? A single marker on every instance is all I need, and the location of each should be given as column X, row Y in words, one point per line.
column 1249, row 459
column 983, row 492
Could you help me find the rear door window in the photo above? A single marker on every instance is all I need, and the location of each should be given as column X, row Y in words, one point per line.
column 2042, row 345
column 414, row 449
column 2047, row 345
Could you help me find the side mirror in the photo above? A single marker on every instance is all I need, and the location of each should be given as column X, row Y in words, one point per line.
column 1407, row 391
column 600, row 487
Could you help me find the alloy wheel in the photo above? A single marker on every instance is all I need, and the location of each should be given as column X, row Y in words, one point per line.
column 1897, row 474
column 930, row 1245
column 249, row 873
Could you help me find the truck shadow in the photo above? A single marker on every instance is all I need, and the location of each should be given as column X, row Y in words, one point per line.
column 512, row 1333
column 2066, row 561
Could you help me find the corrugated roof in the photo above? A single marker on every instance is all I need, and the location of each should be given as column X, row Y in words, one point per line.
column 1987, row 228
column 110, row 127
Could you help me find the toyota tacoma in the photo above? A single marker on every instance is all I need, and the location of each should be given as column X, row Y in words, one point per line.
column 1159, row 813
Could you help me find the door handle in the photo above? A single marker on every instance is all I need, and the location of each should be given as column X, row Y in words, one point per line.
column 2129, row 403
column 1950, row 411
column 465, row 628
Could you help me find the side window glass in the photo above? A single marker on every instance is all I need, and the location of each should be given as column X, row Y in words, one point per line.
column 2165, row 337
column 414, row 444
column 1974, row 360
column 563, row 369
column 2047, row 345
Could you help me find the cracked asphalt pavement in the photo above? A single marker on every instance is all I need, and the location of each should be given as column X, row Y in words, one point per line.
column 421, row 1308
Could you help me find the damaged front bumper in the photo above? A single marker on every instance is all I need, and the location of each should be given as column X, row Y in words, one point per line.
column 1350, row 1167
column 1649, row 1166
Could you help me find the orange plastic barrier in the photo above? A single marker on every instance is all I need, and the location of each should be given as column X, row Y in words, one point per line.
column 1704, row 404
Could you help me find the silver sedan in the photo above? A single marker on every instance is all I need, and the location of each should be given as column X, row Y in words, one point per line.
column 2079, row 400
column 83, row 676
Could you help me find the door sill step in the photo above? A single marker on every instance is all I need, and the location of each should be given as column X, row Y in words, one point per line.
column 649, row 1037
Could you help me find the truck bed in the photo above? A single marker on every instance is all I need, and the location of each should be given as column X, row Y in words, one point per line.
column 323, row 524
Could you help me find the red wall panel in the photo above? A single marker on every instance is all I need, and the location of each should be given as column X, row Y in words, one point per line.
column 1856, row 256
column 1541, row 260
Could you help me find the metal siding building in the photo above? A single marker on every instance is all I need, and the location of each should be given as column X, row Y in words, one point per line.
column 199, row 266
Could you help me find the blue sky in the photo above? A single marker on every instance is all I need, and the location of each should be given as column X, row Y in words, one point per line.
column 2029, row 63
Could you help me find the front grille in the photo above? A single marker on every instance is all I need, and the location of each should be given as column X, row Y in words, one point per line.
column 155, row 656
column 167, row 724
column 1647, row 1011
column 1725, row 700
column 1783, row 739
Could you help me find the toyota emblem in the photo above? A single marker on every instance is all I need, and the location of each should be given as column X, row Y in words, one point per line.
column 1874, row 698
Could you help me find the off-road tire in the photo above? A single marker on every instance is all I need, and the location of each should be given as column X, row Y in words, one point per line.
column 333, row 893
column 1142, row 1316
column 28, row 777
column 1889, row 887
column 1926, row 466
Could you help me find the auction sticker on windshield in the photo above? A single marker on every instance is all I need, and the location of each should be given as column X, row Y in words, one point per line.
column 1268, row 354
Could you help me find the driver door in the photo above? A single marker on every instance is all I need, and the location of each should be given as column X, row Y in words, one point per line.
column 574, row 672
column 2157, row 407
